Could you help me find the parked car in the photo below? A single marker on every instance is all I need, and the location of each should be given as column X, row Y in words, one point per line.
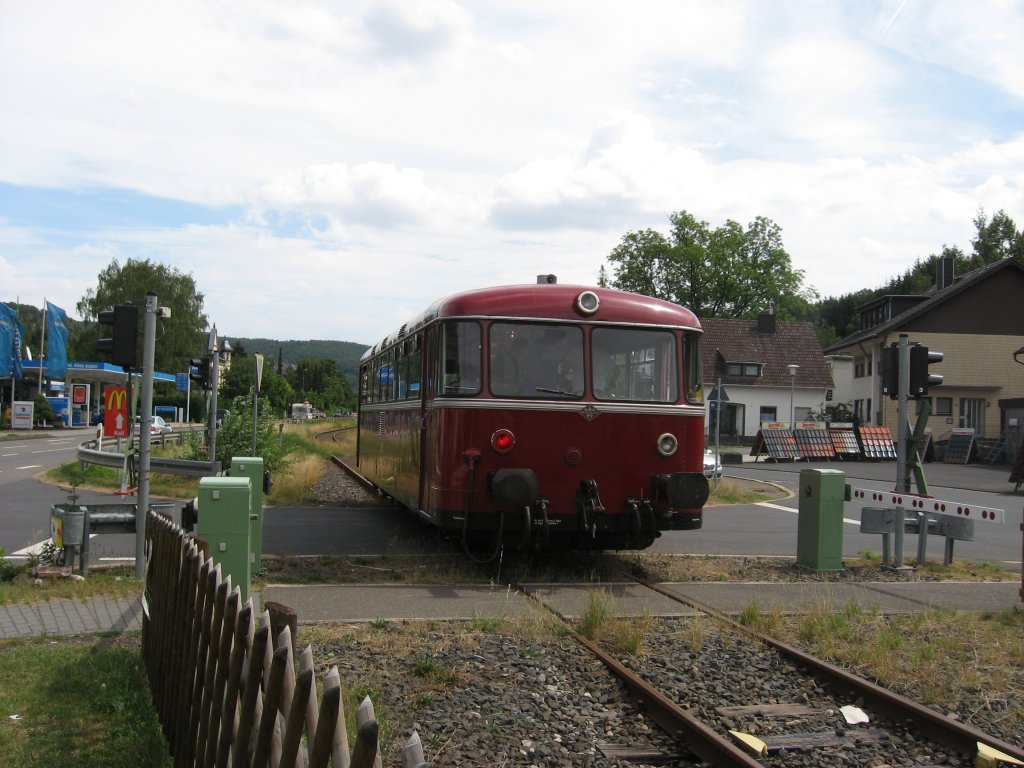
column 712, row 464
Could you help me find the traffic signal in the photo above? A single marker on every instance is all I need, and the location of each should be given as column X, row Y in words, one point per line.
column 199, row 371
column 920, row 379
column 890, row 363
column 122, row 344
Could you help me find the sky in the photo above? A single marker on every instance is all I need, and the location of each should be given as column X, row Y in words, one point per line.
column 326, row 170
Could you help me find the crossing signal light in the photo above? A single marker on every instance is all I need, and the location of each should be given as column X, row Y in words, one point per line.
column 920, row 378
column 890, row 363
column 199, row 371
column 122, row 344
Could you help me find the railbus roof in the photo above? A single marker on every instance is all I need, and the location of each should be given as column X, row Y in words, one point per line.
column 547, row 302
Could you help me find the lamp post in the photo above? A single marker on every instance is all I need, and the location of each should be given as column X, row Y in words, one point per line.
column 792, row 383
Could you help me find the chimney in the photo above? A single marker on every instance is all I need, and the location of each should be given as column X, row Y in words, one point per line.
column 766, row 323
column 944, row 272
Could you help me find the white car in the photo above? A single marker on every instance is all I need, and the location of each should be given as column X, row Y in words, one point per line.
column 712, row 466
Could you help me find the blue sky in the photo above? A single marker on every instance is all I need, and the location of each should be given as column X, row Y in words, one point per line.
column 327, row 169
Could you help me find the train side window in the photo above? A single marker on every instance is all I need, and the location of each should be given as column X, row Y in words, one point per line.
column 460, row 358
column 634, row 364
column 411, row 368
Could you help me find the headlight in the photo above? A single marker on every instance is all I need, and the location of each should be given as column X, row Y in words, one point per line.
column 667, row 444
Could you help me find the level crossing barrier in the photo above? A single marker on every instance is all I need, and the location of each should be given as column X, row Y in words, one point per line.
column 923, row 515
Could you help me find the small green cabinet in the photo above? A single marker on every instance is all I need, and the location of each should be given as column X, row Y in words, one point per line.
column 223, row 523
column 252, row 468
column 819, row 544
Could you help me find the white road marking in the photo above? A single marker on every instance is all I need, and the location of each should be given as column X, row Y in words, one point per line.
column 795, row 511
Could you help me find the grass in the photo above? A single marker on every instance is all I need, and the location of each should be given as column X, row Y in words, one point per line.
column 933, row 656
column 118, row 582
column 77, row 702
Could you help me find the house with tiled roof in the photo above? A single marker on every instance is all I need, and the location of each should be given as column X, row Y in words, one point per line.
column 759, row 371
column 976, row 321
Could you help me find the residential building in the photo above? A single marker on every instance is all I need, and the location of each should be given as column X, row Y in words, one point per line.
column 975, row 320
column 758, row 371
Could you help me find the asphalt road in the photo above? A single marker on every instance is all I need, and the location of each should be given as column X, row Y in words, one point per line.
column 767, row 528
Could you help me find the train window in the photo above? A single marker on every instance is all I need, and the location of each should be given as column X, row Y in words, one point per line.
column 633, row 364
column 692, row 365
column 460, row 358
column 411, row 370
column 535, row 360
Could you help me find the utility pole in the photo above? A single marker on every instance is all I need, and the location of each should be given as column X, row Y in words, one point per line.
column 214, row 383
column 148, row 358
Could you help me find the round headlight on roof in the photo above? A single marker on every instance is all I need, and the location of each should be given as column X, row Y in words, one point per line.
column 587, row 303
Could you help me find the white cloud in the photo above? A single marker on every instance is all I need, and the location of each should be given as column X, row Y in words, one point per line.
column 387, row 153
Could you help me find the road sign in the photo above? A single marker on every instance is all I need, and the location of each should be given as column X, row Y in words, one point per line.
column 181, row 382
column 115, row 416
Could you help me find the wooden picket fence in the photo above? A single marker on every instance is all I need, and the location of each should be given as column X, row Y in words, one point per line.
column 230, row 693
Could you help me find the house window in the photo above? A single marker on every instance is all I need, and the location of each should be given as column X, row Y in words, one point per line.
column 943, row 406
column 767, row 413
column 750, row 370
column 858, row 368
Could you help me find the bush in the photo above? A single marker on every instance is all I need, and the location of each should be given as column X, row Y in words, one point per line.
column 234, row 436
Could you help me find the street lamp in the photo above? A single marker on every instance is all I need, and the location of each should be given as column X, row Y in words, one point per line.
column 792, row 382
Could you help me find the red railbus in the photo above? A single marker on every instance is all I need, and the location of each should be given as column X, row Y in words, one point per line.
column 540, row 416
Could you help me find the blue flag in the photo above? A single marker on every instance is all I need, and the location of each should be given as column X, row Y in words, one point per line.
column 11, row 334
column 57, row 341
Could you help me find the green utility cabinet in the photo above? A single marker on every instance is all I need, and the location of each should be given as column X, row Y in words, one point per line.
column 252, row 468
column 819, row 541
column 223, row 522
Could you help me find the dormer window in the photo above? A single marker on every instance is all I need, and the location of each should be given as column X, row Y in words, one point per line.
column 749, row 370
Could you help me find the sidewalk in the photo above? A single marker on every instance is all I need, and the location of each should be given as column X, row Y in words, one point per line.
column 70, row 617
column 317, row 603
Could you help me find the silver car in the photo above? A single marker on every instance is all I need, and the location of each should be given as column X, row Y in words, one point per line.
column 712, row 464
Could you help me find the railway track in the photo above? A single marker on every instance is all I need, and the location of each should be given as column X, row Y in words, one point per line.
column 766, row 703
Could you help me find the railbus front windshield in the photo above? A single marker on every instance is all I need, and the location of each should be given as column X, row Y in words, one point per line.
column 550, row 360
column 536, row 360
column 634, row 364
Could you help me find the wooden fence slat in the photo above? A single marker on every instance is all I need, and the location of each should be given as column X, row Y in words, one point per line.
column 220, row 680
column 175, row 646
column 364, row 755
column 209, row 677
column 188, row 650
column 306, row 662
column 242, row 749
column 264, row 735
column 213, row 580
column 295, row 722
column 339, row 747
column 323, row 740
column 412, row 752
column 228, row 718
column 364, row 715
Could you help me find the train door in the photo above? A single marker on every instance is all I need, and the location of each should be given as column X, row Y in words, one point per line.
column 428, row 366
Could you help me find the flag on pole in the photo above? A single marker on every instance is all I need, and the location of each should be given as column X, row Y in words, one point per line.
column 57, row 346
column 11, row 334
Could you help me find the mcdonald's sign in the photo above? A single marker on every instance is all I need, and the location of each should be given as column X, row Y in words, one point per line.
column 115, row 415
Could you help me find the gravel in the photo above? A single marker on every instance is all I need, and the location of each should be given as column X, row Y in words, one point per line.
column 520, row 692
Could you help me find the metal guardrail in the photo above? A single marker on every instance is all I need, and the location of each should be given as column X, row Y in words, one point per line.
column 87, row 454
